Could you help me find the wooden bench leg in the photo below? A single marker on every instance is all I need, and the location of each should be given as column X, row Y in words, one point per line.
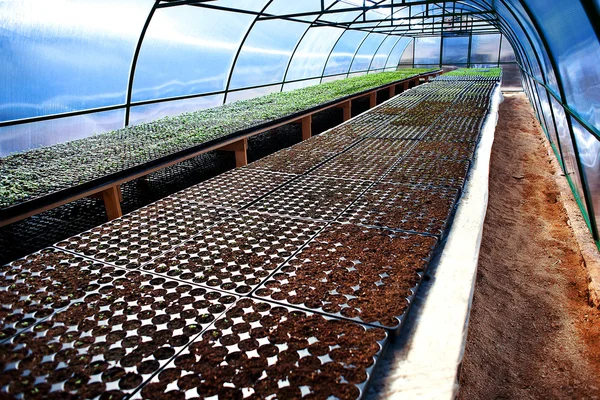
column 306, row 127
column 405, row 86
column 372, row 99
column 347, row 108
column 112, row 204
column 392, row 91
column 240, row 148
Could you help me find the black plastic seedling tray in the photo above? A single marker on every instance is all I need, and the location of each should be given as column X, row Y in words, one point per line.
column 429, row 172
column 234, row 189
column 137, row 238
column 262, row 350
column 124, row 328
column 409, row 208
column 237, row 254
column 361, row 274
column 311, row 197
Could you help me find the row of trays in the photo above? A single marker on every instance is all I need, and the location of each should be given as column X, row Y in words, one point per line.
column 284, row 278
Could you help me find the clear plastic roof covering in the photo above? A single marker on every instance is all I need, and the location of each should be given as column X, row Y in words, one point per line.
column 72, row 68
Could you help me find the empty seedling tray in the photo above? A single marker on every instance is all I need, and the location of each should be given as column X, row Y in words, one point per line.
column 311, row 197
column 124, row 328
column 138, row 237
column 237, row 254
column 235, row 189
column 347, row 271
column 259, row 350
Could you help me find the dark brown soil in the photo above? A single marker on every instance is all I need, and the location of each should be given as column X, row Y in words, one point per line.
column 411, row 208
column 288, row 359
column 532, row 334
column 429, row 172
column 354, row 272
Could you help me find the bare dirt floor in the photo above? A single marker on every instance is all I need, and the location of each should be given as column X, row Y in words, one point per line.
column 532, row 333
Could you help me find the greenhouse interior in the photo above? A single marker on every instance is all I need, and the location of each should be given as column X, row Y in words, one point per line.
column 317, row 199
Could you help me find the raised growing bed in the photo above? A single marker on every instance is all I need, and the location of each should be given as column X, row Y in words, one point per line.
column 237, row 254
column 106, row 157
column 259, row 350
column 367, row 275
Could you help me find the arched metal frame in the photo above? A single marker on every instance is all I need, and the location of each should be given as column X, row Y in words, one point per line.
column 514, row 19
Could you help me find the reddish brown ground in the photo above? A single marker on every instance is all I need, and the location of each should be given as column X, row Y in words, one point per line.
column 532, row 334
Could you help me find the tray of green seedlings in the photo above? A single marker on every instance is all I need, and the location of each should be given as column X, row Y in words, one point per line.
column 237, row 254
column 125, row 327
column 39, row 172
column 136, row 238
column 410, row 208
column 314, row 197
column 261, row 350
column 357, row 273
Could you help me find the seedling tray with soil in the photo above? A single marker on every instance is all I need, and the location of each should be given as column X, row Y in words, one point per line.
column 292, row 161
column 347, row 271
column 381, row 148
column 420, row 209
column 123, row 329
column 145, row 234
column 234, row 189
column 429, row 172
column 312, row 197
column 363, row 167
column 444, row 150
column 259, row 350
column 456, row 129
column 237, row 254
column 398, row 132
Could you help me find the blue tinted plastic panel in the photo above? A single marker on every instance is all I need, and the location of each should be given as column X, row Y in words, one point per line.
column 266, row 53
column 344, row 50
column 407, row 56
column 576, row 49
column 151, row 112
column 381, row 57
column 568, row 151
column 365, row 53
column 589, row 155
column 63, row 56
column 188, row 50
column 252, row 93
column 311, row 55
column 24, row 137
column 547, row 113
column 427, row 50
column 485, row 48
column 506, row 52
column 394, row 58
column 456, row 50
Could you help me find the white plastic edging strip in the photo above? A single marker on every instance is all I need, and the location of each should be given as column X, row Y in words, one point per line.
column 422, row 363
